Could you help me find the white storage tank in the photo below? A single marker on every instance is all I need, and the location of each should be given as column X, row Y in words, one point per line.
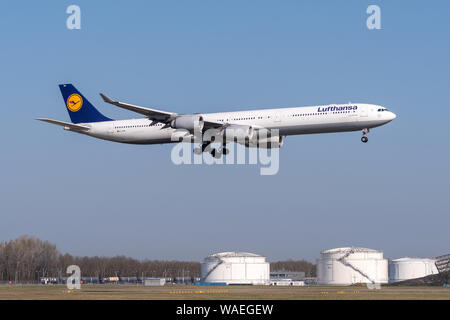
column 351, row 265
column 235, row 268
column 411, row 268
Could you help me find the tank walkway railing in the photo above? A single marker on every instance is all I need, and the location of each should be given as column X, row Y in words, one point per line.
column 212, row 269
column 348, row 264
column 443, row 263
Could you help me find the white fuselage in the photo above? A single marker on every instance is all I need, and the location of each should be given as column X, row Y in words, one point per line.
column 289, row 121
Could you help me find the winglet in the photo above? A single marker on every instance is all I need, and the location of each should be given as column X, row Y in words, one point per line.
column 106, row 98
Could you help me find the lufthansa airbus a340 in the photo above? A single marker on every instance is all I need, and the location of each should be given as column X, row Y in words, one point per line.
column 159, row 126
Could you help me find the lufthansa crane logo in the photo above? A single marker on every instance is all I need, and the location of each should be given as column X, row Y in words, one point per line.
column 74, row 102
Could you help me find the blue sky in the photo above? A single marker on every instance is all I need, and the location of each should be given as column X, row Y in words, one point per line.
column 92, row 197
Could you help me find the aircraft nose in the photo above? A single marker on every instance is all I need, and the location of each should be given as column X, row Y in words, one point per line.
column 392, row 115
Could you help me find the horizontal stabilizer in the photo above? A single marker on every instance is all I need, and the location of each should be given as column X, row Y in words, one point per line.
column 66, row 125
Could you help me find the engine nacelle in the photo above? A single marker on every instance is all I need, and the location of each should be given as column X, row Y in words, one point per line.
column 238, row 133
column 189, row 122
column 272, row 142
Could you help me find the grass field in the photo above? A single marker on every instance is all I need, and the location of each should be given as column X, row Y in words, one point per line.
column 101, row 292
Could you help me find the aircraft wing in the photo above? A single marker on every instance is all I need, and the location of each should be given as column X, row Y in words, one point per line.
column 66, row 125
column 153, row 114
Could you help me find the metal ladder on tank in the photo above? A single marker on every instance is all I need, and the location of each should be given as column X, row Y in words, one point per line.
column 443, row 263
column 215, row 267
column 345, row 263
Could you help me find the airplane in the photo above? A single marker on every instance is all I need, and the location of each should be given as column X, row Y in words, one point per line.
column 158, row 127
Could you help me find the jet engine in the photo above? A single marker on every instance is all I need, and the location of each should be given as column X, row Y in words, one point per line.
column 188, row 122
column 272, row 142
column 238, row 132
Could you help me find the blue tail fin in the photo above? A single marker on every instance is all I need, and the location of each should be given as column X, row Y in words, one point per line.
column 79, row 108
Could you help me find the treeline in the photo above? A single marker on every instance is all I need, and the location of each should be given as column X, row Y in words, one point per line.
column 29, row 259
column 26, row 257
column 294, row 265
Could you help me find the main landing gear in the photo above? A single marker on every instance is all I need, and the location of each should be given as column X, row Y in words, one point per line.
column 364, row 138
column 203, row 148
column 216, row 153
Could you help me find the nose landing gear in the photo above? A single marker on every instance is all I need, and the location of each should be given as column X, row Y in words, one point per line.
column 364, row 138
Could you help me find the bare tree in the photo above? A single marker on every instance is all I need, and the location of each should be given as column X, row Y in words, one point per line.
column 28, row 258
column 294, row 265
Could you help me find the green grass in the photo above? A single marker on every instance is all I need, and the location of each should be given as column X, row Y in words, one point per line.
column 101, row 292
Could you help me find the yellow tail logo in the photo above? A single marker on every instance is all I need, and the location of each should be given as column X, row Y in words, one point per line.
column 74, row 102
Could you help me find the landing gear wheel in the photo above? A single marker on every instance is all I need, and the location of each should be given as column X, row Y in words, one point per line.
column 205, row 145
column 225, row 151
column 364, row 139
column 197, row 151
column 216, row 154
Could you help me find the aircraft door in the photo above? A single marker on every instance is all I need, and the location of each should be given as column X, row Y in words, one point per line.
column 110, row 129
column 363, row 113
column 277, row 117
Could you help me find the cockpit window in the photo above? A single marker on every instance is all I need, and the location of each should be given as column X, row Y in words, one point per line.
column 382, row 109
